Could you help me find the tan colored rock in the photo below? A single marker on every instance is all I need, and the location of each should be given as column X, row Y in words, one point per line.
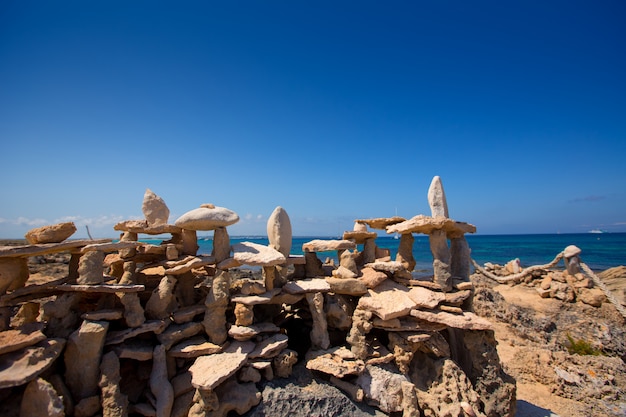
column 207, row 217
column 426, row 224
column 178, row 332
column 154, row 209
column 284, row 362
column 82, row 358
column 162, row 302
column 21, row 366
column 388, row 300
column 160, row 384
column 328, row 362
column 592, row 296
column 371, row 277
column 361, row 326
column 306, row 285
column 114, row 402
column 381, row 223
column 216, row 303
column 405, row 251
column 13, row 273
column 16, row 339
column 88, row 407
column 319, row 245
column 386, row 266
column 244, row 314
column 382, row 387
column 207, row 372
column 90, row 268
column 41, row 400
column 249, row 253
column 426, row 298
column 466, row 321
column 279, row 231
column 269, row 347
column 118, row 336
column 236, row 397
column 437, row 198
column 339, row 309
column 54, row 233
column 251, row 300
column 349, row 286
column 319, row 333
column 571, row 251
column 359, row 233
column 243, row 333
column 193, row 347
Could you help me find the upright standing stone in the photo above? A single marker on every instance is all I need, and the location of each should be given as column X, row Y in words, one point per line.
column 437, row 198
column 221, row 244
column 160, row 384
column 154, row 209
column 114, row 402
column 460, row 258
column 41, row 400
column 82, row 359
column 90, row 268
column 319, row 332
column 216, row 303
column 279, row 231
column 405, row 251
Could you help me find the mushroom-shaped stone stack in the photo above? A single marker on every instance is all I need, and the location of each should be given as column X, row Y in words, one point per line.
column 208, row 217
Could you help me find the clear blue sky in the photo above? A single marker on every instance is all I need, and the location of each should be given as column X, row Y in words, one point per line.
column 333, row 110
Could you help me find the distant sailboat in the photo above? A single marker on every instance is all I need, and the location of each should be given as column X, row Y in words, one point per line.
column 596, row 231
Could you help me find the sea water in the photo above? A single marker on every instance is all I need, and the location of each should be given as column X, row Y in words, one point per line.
column 599, row 251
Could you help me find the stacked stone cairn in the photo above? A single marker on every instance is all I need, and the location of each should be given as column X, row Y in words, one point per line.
column 160, row 330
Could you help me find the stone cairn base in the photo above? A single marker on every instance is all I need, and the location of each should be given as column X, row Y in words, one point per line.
column 160, row 330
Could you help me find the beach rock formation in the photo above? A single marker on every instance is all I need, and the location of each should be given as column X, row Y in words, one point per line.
column 162, row 330
column 54, row 233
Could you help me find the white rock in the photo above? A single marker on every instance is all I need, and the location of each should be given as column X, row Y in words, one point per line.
column 254, row 254
column 207, row 217
column 154, row 209
column 279, row 231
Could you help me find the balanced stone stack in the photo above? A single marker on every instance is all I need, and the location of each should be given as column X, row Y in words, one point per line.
column 160, row 330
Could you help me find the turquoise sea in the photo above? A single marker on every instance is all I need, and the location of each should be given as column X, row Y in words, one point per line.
column 600, row 251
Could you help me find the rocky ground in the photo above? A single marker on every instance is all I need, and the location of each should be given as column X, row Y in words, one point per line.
column 568, row 358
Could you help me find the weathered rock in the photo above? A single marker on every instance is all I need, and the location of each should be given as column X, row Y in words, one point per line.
column 405, row 251
column 243, row 333
column 361, row 326
column 41, row 400
column 279, row 231
column 388, row 300
column 307, row 286
column 193, row 347
column 54, row 233
column 13, row 273
column 162, row 302
column 178, row 332
column 381, row 222
column 244, row 314
column 467, row 320
column 88, row 407
column 207, row 372
column 426, row 225
column 248, row 253
column 207, row 217
column 90, row 268
column 371, row 277
column 154, row 209
column 349, row 286
column 114, row 402
column 592, row 296
column 284, row 362
column 339, row 309
column 382, row 387
column 426, row 298
column 82, row 358
column 319, row 332
column 328, row 362
column 437, row 198
column 21, row 366
column 216, row 303
column 16, row 339
column 235, row 397
column 160, row 384
column 269, row 347
column 319, row 245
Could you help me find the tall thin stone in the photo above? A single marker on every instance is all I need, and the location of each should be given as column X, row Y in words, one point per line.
column 279, row 231
column 460, row 258
column 216, row 303
column 221, row 244
column 437, row 198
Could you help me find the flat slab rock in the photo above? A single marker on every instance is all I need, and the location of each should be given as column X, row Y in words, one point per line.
column 249, row 253
column 306, row 285
column 320, row 245
column 466, row 321
column 332, row 362
column 16, row 339
column 388, row 300
column 208, row 371
column 19, row 367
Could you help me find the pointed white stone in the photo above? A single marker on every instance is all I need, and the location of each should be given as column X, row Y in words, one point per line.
column 437, row 198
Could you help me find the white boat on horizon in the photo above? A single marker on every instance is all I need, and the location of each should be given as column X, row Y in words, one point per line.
column 596, row 231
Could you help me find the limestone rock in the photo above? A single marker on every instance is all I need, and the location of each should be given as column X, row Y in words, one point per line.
column 270, row 347
column 382, row 387
column 349, row 286
column 207, row 372
column 279, row 231
column 339, row 309
column 41, row 400
column 467, row 320
column 426, row 224
column 328, row 362
column 437, row 198
column 16, row 339
column 177, row 332
column 216, row 303
column 248, row 253
column 284, row 362
column 193, row 347
column 114, row 403
column 90, row 268
column 162, row 301
column 13, row 273
column 307, row 285
column 22, row 366
column 243, row 333
column 424, row 297
column 592, row 296
column 154, row 209
column 207, row 217
column 388, row 300
column 319, row 333
column 82, row 358
column 236, row 397
column 160, row 384
column 319, row 245
column 54, row 233
column 381, row 222
column 571, row 250
column 371, row 277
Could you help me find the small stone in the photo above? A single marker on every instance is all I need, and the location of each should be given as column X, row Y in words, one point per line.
column 243, row 333
column 388, row 300
column 571, row 251
column 592, row 296
column 307, row 285
column 16, row 339
column 270, row 347
column 349, row 286
column 90, row 268
column 55, row 233
column 371, row 277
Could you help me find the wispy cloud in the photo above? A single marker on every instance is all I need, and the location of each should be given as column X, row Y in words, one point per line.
column 588, row 199
column 100, row 221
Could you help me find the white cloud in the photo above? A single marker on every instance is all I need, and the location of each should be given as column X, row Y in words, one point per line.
column 23, row 221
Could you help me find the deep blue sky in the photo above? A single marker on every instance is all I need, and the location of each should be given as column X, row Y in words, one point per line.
column 333, row 110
